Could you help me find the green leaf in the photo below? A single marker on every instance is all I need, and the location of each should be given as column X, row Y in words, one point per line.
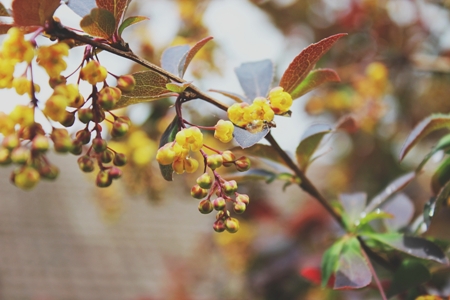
column 313, row 80
column 262, row 151
column 330, row 261
column 374, row 215
column 443, row 144
column 246, row 139
column 409, row 275
column 150, row 86
column 172, row 58
column 425, row 127
column 252, row 174
column 99, row 22
column 178, row 87
column 130, row 21
column 305, row 61
column 33, row 13
column 82, row 7
column 353, row 205
column 441, row 176
column 236, row 97
column 392, row 188
column 191, row 53
column 415, row 246
column 309, row 143
column 167, row 137
column 436, row 204
column 352, row 271
column 116, row 7
column 255, row 78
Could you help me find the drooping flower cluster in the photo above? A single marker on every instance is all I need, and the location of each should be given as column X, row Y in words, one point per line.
column 254, row 116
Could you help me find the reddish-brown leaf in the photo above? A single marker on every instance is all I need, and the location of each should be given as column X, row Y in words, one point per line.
column 4, row 28
column 116, row 7
column 190, row 55
column 33, row 13
column 99, row 22
column 3, row 11
column 305, row 61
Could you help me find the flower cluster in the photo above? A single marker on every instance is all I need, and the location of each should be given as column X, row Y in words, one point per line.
column 254, row 116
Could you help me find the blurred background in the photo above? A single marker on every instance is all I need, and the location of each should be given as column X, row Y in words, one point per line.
column 143, row 238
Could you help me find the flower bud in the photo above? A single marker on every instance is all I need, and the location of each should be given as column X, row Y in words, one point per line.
column 230, row 187
column 239, row 207
column 68, row 120
column 119, row 128
column 20, row 155
column 228, row 158
column 77, row 147
column 126, row 83
column 5, row 158
column 53, row 82
column 49, row 172
column 11, row 141
column 25, row 178
column 40, row 143
column 214, row 161
column 99, row 115
column 86, row 163
column 243, row 198
column 85, row 115
column 222, row 214
column 99, row 144
column 205, row 206
column 198, row 193
column 219, row 226
column 63, row 145
column 242, row 164
column 119, row 159
column 108, row 97
column 219, row 203
column 84, row 136
column 204, row 181
column 103, row 179
column 107, row 156
column 232, row 225
column 115, row 173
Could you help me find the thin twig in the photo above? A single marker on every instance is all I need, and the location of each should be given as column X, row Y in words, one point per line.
column 374, row 274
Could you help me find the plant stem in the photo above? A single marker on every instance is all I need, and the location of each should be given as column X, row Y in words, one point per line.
column 374, row 274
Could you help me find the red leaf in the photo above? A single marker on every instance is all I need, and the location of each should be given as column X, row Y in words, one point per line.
column 116, row 7
column 314, row 275
column 99, row 22
column 33, row 13
column 305, row 61
column 190, row 55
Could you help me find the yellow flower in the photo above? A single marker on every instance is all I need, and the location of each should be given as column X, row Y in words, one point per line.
column 71, row 93
column 167, row 153
column 190, row 165
column 236, row 113
column 6, row 124
column 55, row 108
column 260, row 110
column 93, row 72
column 23, row 85
column 22, row 115
column 15, row 48
column 50, row 58
column 6, row 72
column 280, row 101
column 224, row 131
column 190, row 138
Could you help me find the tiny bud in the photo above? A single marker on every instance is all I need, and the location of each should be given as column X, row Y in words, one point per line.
column 242, row 164
column 198, row 193
column 243, row 198
column 219, row 226
column 20, row 155
column 63, row 145
column 49, row 172
column 5, row 158
column 85, row 115
column 219, row 203
column 53, row 82
column 77, row 147
column 120, row 159
column 99, row 144
column 230, row 187
column 119, row 128
column 239, row 207
column 25, row 178
column 228, row 158
column 69, row 119
column 214, row 161
column 103, row 179
column 126, row 83
column 40, row 143
column 86, row 164
column 11, row 141
column 115, row 173
column 99, row 115
column 232, row 225
column 108, row 97
column 204, row 181
column 205, row 206
column 107, row 156
column 84, row 136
